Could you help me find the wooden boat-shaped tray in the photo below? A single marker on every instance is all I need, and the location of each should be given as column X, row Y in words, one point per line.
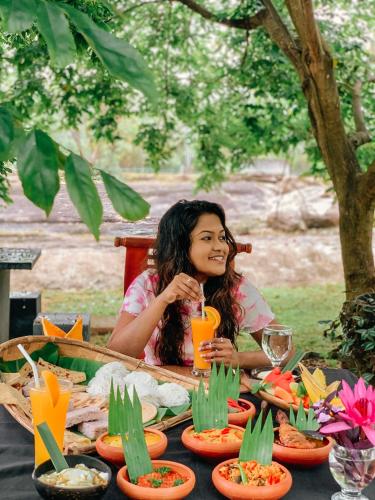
column 77, row 349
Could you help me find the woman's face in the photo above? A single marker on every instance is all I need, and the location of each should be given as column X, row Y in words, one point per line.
column 209, row 249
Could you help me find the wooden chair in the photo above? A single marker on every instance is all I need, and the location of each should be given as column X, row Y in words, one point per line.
column 138, row 257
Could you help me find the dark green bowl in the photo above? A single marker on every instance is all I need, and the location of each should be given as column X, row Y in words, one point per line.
column 54, row 492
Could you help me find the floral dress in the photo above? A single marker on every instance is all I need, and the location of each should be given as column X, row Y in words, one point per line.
column 256, row 312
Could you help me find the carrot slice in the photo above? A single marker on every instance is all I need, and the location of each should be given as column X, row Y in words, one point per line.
column 213, row 315
column 52, row 384
column 51, row 330
column 76, row 331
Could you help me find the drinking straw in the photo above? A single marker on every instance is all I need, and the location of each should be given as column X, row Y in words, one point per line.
column 202, row 301
column 32, row 364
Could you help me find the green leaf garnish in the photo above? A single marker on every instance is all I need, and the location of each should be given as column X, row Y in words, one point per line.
column 243, row 475
column 53, row 449
column 303, row 421
column 292, row 363
column 257, row 443
column 155, row 483
column 260, row 386
column 210, row 411
column 163, row 470
column 178, row 482
column 232, row 383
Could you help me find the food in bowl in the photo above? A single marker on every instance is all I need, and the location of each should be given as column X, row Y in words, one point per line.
column 217, row 436
column 150, row 437
column 79, row 476
column 252, row 473
column 162, row 477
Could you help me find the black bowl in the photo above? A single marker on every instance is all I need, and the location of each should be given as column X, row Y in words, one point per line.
column 56, row 493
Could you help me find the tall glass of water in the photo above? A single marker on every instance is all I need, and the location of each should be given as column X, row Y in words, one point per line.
column 277, row 343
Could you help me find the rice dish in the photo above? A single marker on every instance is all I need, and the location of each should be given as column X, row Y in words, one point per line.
column 171, row 394
column 141, row 379
column 145, row 393
column 101, row 383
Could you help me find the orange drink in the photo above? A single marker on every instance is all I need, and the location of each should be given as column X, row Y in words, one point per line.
column 47, row 408
column 202, row 329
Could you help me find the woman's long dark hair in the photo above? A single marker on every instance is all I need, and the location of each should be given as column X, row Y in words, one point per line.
column 171, row 253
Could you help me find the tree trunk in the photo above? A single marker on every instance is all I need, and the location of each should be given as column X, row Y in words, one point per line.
column 356, row 226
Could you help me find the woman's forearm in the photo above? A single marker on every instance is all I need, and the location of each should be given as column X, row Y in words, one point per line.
column 130, row 336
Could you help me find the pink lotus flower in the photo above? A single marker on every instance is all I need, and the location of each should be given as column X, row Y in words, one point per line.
column 359, row 411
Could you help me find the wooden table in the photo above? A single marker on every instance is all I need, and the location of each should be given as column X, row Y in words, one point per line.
column 12, row 258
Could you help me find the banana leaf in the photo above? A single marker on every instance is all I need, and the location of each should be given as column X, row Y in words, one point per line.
column 88, row 366
column 257, row 443
column 49, row 352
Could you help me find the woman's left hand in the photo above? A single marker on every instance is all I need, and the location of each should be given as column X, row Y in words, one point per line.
column 219, row 350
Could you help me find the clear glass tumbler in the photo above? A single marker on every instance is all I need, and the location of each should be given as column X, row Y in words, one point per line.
column 353, row 470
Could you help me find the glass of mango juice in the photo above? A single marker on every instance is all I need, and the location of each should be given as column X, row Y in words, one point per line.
column 202, row 330
column 51, row 407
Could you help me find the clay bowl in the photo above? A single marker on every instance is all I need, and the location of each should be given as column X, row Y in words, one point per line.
column 242, row 417
column 115, row 454
column 211, row 450
column 142, row 493
column 242, row 492
column 48, row 491
column 304, row 457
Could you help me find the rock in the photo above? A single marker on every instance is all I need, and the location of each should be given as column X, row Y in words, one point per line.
column 305, row 208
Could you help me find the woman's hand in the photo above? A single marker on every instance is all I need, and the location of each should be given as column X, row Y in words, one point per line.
column 182, row 287
column 219, row 350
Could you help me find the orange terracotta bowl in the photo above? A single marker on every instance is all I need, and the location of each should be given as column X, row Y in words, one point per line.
column 302, row 457
column 142, row 493
column 115, row 454
column 242, row 417
column 211, row 450
column 236, row 491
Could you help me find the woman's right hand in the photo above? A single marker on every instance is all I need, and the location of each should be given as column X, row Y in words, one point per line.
column 182, row 287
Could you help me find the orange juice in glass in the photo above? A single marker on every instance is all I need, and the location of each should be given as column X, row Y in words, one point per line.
column 201, row 329
column 44, row 410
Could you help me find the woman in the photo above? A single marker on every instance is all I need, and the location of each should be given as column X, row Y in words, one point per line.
column 193, row 247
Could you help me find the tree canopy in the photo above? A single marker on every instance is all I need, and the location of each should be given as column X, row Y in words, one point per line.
column 238, row 77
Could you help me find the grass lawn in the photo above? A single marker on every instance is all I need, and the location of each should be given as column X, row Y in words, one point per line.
column 301, row 307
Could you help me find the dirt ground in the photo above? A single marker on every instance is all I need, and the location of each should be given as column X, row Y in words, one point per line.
column 72, row 259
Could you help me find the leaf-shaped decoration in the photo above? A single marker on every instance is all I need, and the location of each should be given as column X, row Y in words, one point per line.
column 121, row 59
column 83, row 192
column 37, row 168
column 18, row 15
column 53, row 449
column 54, row 27
column 257, row 443
column 6, row 133
column 127, row 202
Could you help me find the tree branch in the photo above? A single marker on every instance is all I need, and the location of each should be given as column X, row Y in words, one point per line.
column 246, row 23
column 362, row 135
column 302, row 15
column 280, row 35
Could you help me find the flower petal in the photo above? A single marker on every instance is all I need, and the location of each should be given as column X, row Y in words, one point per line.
column 360, row 390
column 346, row 395
column 370, row 433
column 335, row 427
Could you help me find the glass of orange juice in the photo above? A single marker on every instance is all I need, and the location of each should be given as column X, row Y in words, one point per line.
column 201, row 329
column 43, row 409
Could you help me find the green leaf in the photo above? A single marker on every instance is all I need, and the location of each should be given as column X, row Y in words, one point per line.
column 18, row 15
column 38, row 169
column 125, row 200
column 53, row 449
column 54, row 27
column 121, row 59
column 211, row 411
column 83, row 192
column 292, row 363
column 49, row 352
column 89, row 366
column 257, row 443
column 6, row 133
column 303, row 421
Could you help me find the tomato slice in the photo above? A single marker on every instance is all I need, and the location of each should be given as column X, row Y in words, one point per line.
column 213, row 315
